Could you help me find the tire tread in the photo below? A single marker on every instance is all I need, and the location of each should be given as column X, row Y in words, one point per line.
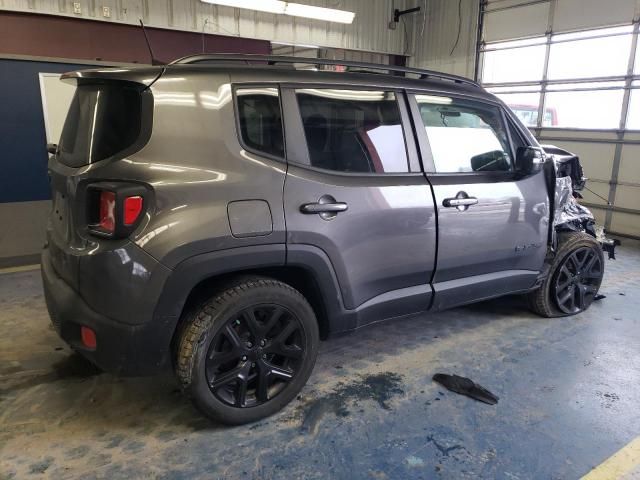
column 203, row 318
column 540, row 300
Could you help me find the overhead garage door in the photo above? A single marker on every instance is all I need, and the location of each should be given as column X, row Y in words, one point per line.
column 570, row 69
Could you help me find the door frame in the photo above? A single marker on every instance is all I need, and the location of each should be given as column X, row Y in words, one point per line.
column 404, row 301
column 465, row 290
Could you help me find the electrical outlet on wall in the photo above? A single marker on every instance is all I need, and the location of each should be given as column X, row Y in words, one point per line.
column 77, row 8
column 106, row 12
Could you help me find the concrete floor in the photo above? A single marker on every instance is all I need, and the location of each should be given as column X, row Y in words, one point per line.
column 568, row 389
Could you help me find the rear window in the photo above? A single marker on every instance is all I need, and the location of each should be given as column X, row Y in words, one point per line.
column 261, row 120
column 103, row 120
column 353, row 130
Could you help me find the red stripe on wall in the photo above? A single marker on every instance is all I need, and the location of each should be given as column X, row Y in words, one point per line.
column 74, row 38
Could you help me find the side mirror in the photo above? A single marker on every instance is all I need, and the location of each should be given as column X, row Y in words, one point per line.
column 494, row 161
column 529, row 160
column 52, row 148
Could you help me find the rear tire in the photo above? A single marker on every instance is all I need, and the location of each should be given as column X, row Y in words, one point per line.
column 574, row 277
column 248, row 350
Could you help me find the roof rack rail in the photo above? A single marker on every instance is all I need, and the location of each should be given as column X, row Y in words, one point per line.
column 274, row 59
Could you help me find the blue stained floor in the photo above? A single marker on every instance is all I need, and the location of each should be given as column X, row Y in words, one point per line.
column 569, row 393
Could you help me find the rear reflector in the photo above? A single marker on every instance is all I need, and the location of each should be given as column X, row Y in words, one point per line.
column 132, row 209
column 107, row 214
column 88, row 337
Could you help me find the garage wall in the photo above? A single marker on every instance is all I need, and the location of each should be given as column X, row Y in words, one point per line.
column 570, row 69
column 368, row 32
column 24, row 188
column 446, row 39
column 75, row 38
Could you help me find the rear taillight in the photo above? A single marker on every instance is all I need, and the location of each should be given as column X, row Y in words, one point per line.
column 107, row 211
column 132, row 209
column 88, row 337
column 114, row 209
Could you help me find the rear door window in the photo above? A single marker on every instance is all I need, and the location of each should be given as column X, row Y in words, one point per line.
column 103, row 120
column 260, row 120
column 464, row 135
column 353, row 130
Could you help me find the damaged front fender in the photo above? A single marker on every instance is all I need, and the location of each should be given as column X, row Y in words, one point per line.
column 565, row 179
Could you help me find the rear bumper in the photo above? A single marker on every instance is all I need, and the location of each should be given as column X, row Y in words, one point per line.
column 121, row 348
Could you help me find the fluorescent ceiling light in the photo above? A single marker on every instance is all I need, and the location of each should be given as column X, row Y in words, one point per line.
column 269, row 6
column 289, row 8
column 319, row 13
column 287, row 44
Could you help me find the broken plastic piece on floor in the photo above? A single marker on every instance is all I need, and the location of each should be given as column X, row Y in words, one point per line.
column 465, row 386
column 599, row 297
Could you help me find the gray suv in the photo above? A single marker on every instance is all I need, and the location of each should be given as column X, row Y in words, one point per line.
column 222, row 214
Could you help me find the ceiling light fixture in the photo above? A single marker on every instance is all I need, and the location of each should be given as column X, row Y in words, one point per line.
column 318, row 13
column 269, row 6
column 289, row 8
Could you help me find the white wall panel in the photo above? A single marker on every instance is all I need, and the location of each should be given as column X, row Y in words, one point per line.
column 369, row 30
column 599, row 214
column 628, row 197
column 27, row 233
column 56, row 97
column 626, row 223
column 630, row 164
column 577, row 134
column 520, row 22
column 433, row 49
column 158, row 14
column 583, row 14
column 597, row 191
column 596, row 158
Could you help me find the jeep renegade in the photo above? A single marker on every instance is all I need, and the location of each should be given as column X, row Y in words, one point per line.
column 221, row 214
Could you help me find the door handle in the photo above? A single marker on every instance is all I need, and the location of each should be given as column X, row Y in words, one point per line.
column 461, row 201
column 326, row 206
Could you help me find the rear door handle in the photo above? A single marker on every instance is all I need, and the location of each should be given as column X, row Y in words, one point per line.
column 326, row 206
column 461, row 201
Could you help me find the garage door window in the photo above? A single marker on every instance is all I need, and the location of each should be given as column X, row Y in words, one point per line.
column 260, row 120
column 353, row 130
column 464, row 136
column 608, row 55
column 514, row 61
column 581, row 88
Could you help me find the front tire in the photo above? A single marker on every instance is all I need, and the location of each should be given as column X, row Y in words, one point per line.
column 248, row 350
column 574, row 277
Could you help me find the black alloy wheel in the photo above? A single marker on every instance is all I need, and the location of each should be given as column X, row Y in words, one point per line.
column 246, row 351
column 577, row 280
column 255, row 355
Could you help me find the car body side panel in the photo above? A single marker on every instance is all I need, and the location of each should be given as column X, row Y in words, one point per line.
column 384, row 244
column 506, row 230
column 386, row 239
column 495, row 246
column 197, row 167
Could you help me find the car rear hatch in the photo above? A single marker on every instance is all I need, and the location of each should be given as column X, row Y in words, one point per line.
column 110, row 117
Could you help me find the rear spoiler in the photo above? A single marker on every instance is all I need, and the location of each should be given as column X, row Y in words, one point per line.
column 142, row 75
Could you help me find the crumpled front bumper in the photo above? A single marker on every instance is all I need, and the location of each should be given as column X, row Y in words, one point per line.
column 567, row 180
